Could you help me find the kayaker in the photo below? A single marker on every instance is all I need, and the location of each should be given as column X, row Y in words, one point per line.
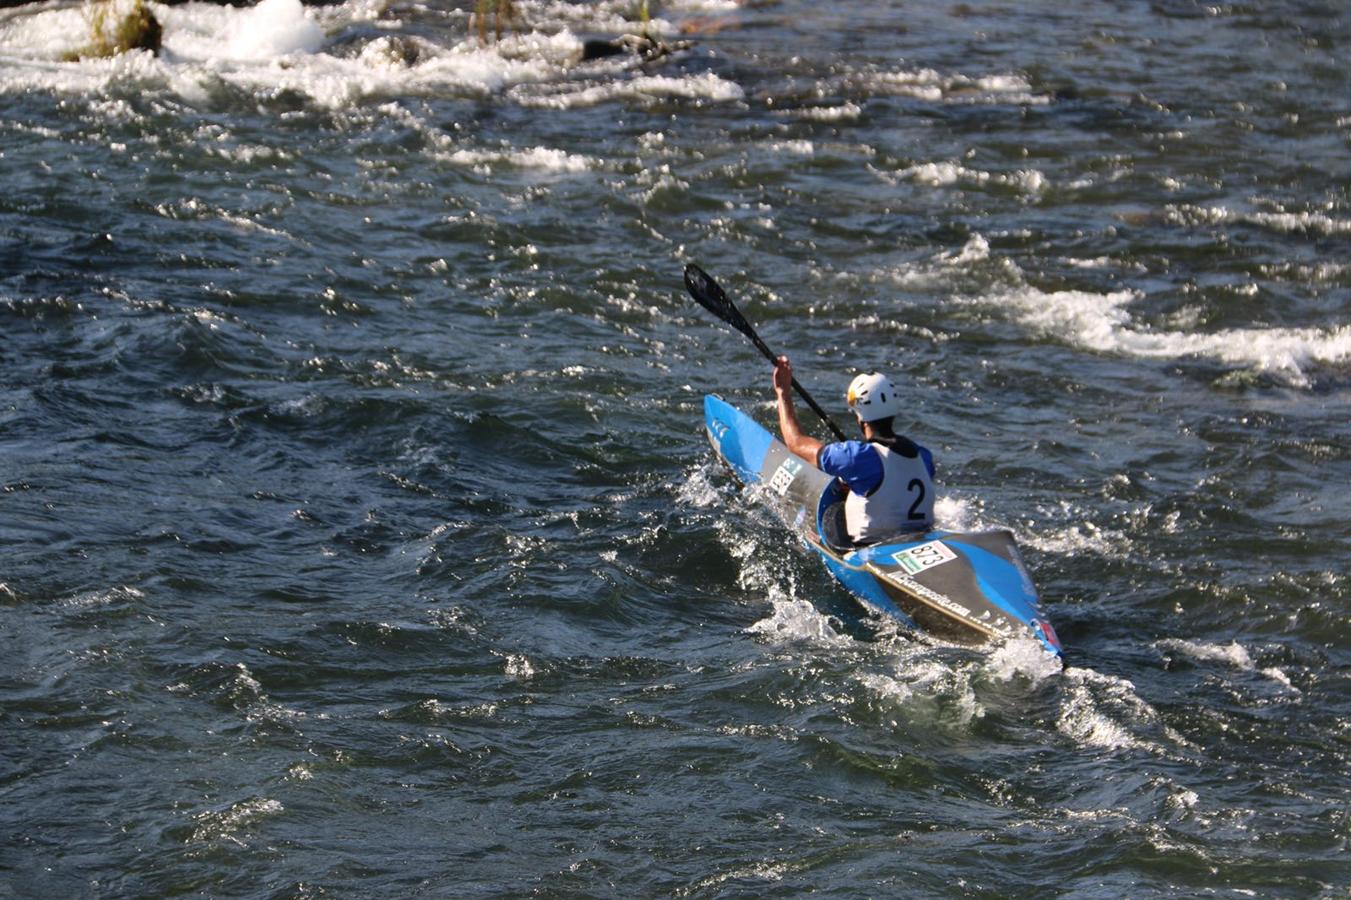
column 889, row 477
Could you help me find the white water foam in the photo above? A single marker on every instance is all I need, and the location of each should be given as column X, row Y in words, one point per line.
column 889, row 689
column 54, row 31
column 273, row 28
column 844, row 112
column 1104, row 711
column 1322, row 273
column 607, row 16
column 946, row 174
column 519, row 667
column 278, row 46
column 684, row 7
column 1303, row 222
column 1102, row 323
column 1024, row 657
column 792, row 620
column 797, row 147
column 947, row 270
column 92, row 599
column 698, row 489
column 1278, row 675
column 544, row 159
column 1103, row 262
column 1232, row 654
column 931, row 85
column 1181, row 798
column 955, row 513
column 225, row 824
column 976, row 249
column 921, row 675
column 1082, row 537
column 650, row 88
column 767, row 871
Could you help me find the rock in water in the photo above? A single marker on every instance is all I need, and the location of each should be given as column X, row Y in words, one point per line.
column 639, row 45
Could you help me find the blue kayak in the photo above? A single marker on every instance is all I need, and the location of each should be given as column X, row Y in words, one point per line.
column 964, row 587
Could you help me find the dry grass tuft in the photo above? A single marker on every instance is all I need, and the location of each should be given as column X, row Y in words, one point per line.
column 115, row 29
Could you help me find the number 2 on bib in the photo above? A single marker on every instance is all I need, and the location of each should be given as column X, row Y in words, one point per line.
column 916, row 486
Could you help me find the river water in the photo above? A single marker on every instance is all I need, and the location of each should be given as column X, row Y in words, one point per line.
column 358, row 532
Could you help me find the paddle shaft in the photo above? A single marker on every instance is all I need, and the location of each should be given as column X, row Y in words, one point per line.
column 801, row 391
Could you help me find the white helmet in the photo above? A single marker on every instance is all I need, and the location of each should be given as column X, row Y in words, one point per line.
column 871, row 397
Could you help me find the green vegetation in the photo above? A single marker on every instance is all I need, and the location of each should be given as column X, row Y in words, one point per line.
column 114, row 30
column 503, row 13
column 645, row 16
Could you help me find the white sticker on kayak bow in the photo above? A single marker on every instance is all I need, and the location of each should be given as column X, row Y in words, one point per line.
column 783, row 476
column 925, row 556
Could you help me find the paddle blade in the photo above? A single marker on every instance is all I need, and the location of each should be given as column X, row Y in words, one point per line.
column 711, row 297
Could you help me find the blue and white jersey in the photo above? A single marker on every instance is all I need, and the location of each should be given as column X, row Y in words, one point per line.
column 856, row 463
column 890, row 492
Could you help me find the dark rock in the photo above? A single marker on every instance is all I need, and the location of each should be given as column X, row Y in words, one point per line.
column 599, row 48
column 639, row 45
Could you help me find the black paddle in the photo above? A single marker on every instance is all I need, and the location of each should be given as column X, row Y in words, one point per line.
column 711, row 297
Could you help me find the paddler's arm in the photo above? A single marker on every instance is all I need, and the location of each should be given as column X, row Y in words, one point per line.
column 802, row 445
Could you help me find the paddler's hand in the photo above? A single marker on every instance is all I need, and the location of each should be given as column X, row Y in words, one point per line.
column 803, row 446
column 783, row 376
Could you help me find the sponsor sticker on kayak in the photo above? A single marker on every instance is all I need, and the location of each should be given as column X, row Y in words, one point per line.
column 925, row 556
column 784, row 475
column 907, row 583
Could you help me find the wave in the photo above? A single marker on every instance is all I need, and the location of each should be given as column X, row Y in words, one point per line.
column 1103, row 323
column 706, row 86
column 1104, row 712
column 946, row 174
column 1303, row 222
column 934, row 86
column 541, row 158
column 792, row 620
column 1233, row 654
column 273, row 28
column 227, row 823
column 843, row 113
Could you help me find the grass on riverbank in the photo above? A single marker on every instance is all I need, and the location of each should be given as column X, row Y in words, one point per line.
column 116, row 28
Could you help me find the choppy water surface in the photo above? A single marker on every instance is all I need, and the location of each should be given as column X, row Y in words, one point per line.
column 360, row 538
